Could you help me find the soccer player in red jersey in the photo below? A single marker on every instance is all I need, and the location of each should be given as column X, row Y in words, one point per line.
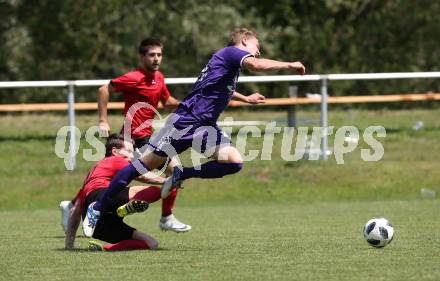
column 134, row 199
column 195, row 120
column 142, row 89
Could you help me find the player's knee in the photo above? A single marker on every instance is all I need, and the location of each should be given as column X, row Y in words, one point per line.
column 235, row 156
column 153, row 245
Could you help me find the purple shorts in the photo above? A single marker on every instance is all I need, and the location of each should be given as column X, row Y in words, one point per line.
column 182, row 132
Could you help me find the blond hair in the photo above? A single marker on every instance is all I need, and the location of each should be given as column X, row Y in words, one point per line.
column 238, row 34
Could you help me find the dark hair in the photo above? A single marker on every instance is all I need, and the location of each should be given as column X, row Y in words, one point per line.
column 114, row 140
column 149, row 42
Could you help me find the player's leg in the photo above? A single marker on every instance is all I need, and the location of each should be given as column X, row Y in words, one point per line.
column 149, row 240
column 139, row 241
column 90, row 199
column 168, row 221
column 112, row 229
column 168, row 203
column 215, row 144
column 139, row 198
column 148, row 162
column 227, row 161
column 132, row 207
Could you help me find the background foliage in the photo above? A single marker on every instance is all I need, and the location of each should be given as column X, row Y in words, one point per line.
column 79, row 39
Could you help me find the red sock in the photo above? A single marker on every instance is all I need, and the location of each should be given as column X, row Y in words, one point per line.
column 151, row 194
column 127, row 245
column 168, row 203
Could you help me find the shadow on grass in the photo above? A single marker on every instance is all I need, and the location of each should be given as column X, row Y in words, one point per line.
column 160, row 249
column 28, row 138
column 85, row 250
column 76, row 250
column 411, row 130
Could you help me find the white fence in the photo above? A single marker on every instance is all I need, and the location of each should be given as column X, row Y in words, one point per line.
column 244, row 79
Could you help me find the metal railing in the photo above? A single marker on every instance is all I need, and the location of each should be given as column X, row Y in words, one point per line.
column 324, row 79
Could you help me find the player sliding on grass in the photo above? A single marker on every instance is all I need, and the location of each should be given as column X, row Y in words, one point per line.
column 111, row 227
column 194, row 122
column 146, row 85
column 143, row 85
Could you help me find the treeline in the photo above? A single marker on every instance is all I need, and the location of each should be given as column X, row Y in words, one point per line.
column 81, row 39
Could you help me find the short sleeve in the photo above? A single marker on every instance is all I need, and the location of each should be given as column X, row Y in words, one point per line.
column 123, row 83
column 234, row 56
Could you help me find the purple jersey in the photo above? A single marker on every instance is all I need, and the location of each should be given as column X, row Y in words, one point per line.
column 213, row 89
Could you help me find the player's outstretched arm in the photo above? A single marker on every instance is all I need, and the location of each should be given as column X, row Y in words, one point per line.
column 261, row 65
column 171, row 103
column 72, row 226
column 151, row 178
column 103, row 96
column 255, row 98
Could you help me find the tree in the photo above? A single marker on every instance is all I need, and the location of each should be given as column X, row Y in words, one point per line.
column 59, row 40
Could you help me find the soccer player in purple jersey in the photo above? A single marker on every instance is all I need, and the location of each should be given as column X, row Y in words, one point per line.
column 194, row 122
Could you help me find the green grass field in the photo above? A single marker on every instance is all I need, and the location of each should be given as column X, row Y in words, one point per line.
column 275, row 220
column 314, row 241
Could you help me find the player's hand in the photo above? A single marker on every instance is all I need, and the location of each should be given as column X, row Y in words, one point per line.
column 104, row 129
column 255, row 98
column 298, row 66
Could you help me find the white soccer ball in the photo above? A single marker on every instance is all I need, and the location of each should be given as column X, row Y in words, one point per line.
column 378, row 232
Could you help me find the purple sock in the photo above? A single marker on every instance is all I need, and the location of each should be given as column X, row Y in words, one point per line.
column 211, row 170
column 118, row 183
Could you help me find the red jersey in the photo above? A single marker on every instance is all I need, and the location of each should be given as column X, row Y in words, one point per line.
column 101, row 175
column 141, row 86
